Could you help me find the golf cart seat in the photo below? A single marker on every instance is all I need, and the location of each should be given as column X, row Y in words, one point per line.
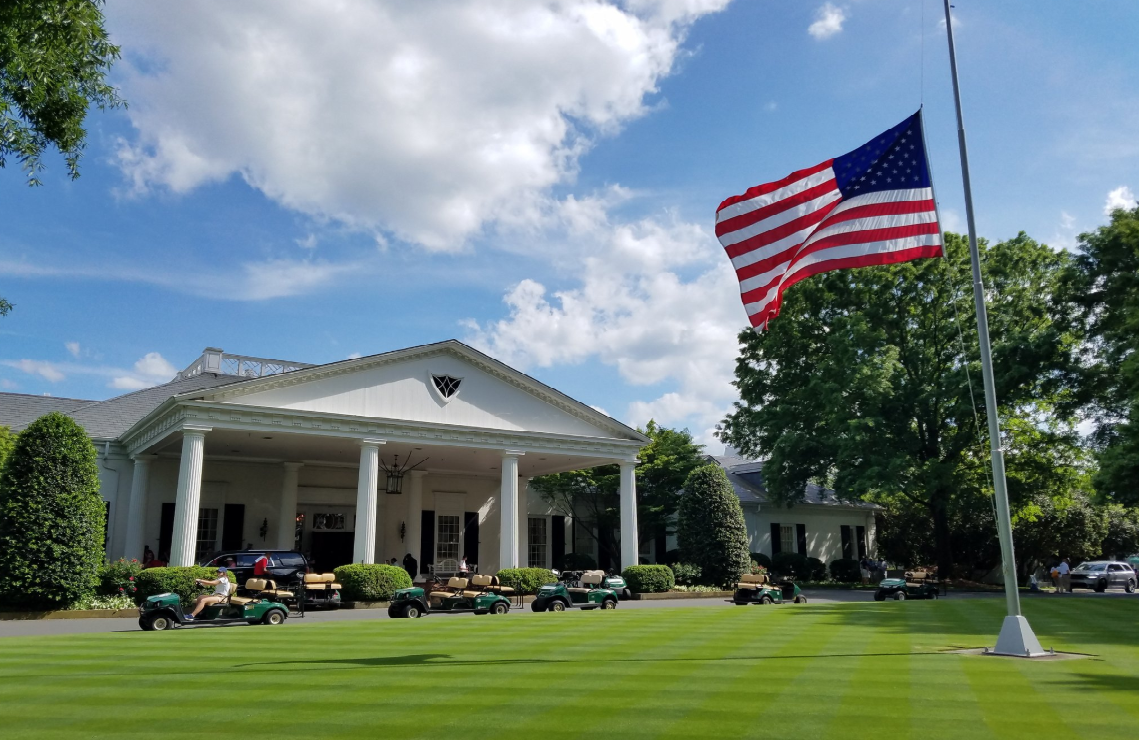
column 916, row 578
column 321, row 582
column 266, row 588
column 589, row 580
column 497, row 587
column 481, row 583
column 751, row 581
column 455, row 586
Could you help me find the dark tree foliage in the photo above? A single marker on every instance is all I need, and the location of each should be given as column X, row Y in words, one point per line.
column 593, row 495
column 1048, row 529
column 7, row 442
column 710, row 527
column 860, row 383
column 54, row 59
column 51, row 516
column 5, row 307
column 1122, row 539
column 1103, row 285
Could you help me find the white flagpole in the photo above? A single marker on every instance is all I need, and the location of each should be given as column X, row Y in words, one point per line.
column 1016, row 637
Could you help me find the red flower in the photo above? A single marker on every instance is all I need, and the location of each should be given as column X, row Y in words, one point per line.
column 131, row 578
column 120, row 590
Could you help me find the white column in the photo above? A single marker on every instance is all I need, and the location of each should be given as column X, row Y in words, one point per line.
column 414, row 519
column 630, row 544
column 136, row 511
column 185, row 540
column 508, row 511
column 364, row 546
column 287, row 518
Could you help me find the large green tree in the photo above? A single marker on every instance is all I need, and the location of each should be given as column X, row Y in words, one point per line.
column 593, row 495
column 861, row 382
column 1102, row 283
column 54, row 59
column 51, row 516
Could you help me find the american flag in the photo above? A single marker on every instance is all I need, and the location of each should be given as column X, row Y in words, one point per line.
column 871, row 206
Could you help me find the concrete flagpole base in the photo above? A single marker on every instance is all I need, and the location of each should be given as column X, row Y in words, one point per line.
column 1018, row 640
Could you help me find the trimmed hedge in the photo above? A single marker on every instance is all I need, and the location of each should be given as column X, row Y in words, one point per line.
column 760, row 559
column 710, row 527
column 526, row 580
column 578, row 561
column 799, row 566
column 686, row 574
column 175, row 580
column 846, row 571
column 649, row 579
column 371, row 582
column 51, row 516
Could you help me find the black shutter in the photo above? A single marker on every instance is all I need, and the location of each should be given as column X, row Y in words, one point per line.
column 861, row 542
column 775, row 543
column 233, row 531
column 426, row 540
column 471, row 537
column 661, row 547
column 166, row 532
column 801, row 532
column 557, row 541
column 107, row 526
column 847, row 545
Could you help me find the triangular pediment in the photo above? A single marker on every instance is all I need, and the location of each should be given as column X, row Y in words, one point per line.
column 419, row 385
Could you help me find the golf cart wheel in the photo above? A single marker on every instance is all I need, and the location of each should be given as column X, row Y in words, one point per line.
column 800, row 599
column 274, row 617
column 157, row 623
column 879, row 596
column 1130, row 586
column 626, row 594
column 535, row 608
column 765, row 600
column 557, row 605
column 500, row 608
column 934, row 595
column 900, row 596
column 1100, row 587
column 411, row 611
column 609, row 604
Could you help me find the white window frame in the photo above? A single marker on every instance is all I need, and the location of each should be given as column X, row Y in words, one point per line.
column 544, row 560
column 787, row 539
column 458, row 540
column 211, row 544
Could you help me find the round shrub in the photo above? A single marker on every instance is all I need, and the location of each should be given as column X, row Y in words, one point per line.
column 686, row 574
column 51, row 516
column 790, row 564
column 710, row 527
column 672, row 556
column 526, row 580
column 816, row 570
column 846, row 570
column 119, row 578
column 649, row 579
column 760, row 559
column 578, row 561
column 176, row 580
column 371, row 582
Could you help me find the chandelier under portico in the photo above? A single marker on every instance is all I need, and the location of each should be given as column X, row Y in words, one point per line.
column 395, row 473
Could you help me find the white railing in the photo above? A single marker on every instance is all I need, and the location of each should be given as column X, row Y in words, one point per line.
column 222, row 363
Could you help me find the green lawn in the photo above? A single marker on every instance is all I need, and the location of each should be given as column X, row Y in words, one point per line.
column 813, row 671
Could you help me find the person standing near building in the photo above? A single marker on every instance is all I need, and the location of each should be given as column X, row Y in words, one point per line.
column 261, row 567
column 1065, row 572
column 864, row 570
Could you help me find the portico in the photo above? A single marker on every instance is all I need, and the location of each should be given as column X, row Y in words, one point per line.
column 296, row 459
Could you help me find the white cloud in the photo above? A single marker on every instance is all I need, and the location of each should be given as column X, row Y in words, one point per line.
column 73, row 348
column 129, row 383
column 309, row 242
column 7, row 384
column 1065, row 236
column 1121, row 197
column 654, row 298
column 46, row 370
column 426, row 120
column 149, row 370
column 1067, row 221
column 828, row 22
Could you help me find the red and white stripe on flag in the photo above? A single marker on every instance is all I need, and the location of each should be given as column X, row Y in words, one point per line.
column 873, row 206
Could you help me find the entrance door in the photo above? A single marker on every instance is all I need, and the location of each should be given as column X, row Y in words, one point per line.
column 331, row 550
column 471, row 537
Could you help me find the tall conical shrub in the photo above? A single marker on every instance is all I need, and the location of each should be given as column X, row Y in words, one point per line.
column 710, row 528
column 51, row 516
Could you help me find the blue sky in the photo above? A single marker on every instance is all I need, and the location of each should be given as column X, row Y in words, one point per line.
column 536, row 178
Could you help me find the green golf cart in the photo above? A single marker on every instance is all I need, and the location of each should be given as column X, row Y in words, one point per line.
column 258, row 605
column 758, row 589
column 587, row 592
column 915, row 585
column 479, row 594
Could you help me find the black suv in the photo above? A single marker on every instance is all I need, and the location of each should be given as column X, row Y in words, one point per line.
column 286, row 567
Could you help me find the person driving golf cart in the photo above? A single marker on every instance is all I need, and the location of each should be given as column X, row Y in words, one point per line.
column 221, row 592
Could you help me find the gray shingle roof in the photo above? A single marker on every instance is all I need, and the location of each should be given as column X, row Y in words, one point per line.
column 17, row 410
column 746, row 477
column 109, row 419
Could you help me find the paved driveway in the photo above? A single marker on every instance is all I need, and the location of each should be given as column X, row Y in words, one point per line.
column 20, row 628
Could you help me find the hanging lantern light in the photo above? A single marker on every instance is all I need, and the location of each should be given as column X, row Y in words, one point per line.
column 395, row 474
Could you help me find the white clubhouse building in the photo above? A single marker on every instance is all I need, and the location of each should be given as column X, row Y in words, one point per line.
column 241, row 451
